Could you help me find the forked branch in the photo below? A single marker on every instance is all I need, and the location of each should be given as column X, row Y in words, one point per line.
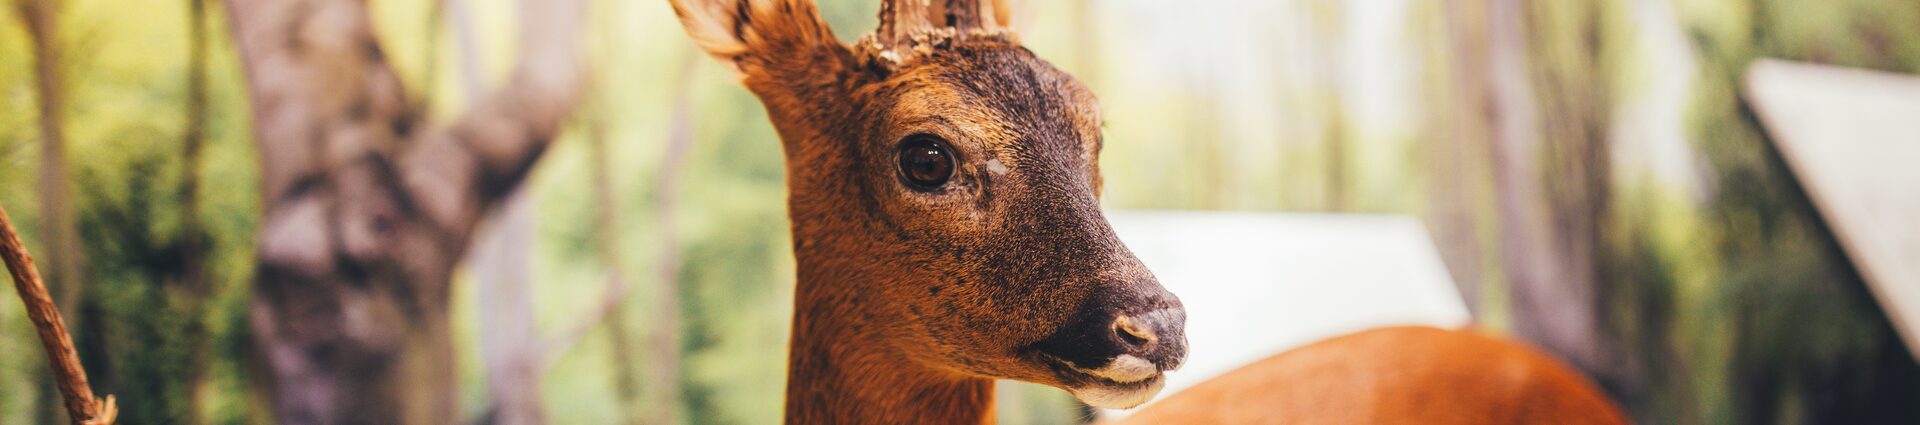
column 508, row 130
column 82, row 406
column 369, row 204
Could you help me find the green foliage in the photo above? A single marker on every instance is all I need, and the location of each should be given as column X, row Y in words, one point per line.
column 19, row 153
column 1807, row 343
column 125, row 116
column 134, row 339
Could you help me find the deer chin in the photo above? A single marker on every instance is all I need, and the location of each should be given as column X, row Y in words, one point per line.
column 1125, row 382
column 1118, row 396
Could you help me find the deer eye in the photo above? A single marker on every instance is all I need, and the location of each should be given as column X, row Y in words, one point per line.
column 925, row 162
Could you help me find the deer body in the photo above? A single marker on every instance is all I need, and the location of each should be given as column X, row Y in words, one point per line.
column 1396, row 375
column 943, row 190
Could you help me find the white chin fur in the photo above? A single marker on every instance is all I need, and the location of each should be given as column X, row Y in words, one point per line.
column 1118, row 397
column 1126, row 369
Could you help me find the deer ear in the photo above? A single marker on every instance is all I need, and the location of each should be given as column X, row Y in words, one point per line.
column 756, row 36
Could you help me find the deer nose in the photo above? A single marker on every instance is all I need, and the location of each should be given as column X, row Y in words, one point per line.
column 1131, row 333
column 1157, row 336
column 1136, row 333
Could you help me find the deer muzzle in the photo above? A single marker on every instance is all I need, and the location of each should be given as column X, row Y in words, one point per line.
column 1116, row 355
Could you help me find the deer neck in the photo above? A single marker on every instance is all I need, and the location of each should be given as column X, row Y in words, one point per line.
column 841, row 371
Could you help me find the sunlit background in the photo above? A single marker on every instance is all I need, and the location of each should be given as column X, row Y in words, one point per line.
column 1721, row 296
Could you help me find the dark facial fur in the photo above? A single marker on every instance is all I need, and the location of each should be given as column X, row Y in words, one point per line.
column 1008, row 270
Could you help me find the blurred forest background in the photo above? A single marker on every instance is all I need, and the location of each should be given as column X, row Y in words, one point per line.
column 1589, row 169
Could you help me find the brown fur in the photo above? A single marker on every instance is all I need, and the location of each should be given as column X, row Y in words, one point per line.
column 1400, row 375
column 909, row 302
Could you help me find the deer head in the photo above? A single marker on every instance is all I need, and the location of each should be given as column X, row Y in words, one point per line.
column 944, row 194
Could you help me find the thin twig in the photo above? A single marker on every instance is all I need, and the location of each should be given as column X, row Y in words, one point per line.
column 665, row 189
column 82, row 407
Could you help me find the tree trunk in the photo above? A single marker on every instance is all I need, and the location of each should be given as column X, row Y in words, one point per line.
column 502, row 270
column 56, row 213
column 509, row 343
column 1329, row 27
column 1086, row 42
column 1455, row 179
column 369, row 207
column 1553, row 301
column 663, row 365
column 1576, row 90
column 57, row 231
column 193, row 288
column 606, row 208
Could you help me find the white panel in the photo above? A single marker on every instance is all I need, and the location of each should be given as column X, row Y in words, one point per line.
column 1257, row 284
column 1852, row 138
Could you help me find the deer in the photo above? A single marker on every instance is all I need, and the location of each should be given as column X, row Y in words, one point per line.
column 943, row 198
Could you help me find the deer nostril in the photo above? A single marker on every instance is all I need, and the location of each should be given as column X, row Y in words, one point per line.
column 1132, row 332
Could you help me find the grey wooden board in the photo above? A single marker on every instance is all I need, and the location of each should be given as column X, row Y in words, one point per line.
column 1852, row 139
column 1256, row 284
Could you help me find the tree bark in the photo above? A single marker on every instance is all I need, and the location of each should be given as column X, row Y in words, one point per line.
column 369, row 207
